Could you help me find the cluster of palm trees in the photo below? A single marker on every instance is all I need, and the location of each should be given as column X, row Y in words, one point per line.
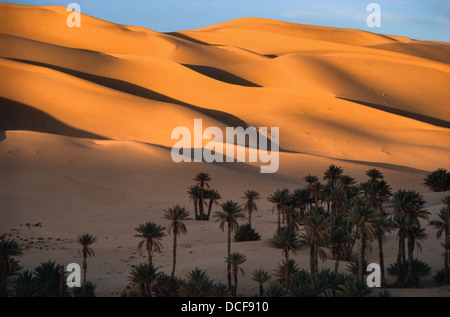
column 335, row 215
column 199, row 193
column 339, row 213
column 48, row 279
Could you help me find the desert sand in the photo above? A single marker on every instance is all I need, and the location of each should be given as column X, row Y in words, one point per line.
column 87, row 113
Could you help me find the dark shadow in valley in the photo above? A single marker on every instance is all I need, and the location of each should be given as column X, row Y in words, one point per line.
column 404, row 113
column 18, row 116
column 221, row 75
column 187, row 38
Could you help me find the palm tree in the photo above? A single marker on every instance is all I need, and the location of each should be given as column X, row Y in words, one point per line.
column 310, row 179
column 409, row 203
column 25, row 285
column 363, row 217
column 402, row 223
column 313, row 181
column 438, row 180
column 446, row 246
column 8, row 266
column 374, row 175
column 279, row 198
column 235, row 260
column 338, row 245
column 442, row 226
column 261, row 277
column 316, row 226
column 316, row 190
column 152, row 235
column 176, row 215
column 229, row 215
column 85, row 251
column 338, row 199
column 290, row 213
column 346, row 182
column 250, row 205
column 48, row 276
column 198, row 284
column 287, row 238
column 332, row 174
column 274, row 290
column 144, row 277
column 194, row 195
column 382, row 226
column 355, row 287
column 415, row 234
column 202, row 180
column 376, row 193
column 213, row 196
column 301, row 199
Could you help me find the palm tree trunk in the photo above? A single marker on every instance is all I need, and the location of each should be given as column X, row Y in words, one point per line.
column 410, row 258
column 202, row 214
column 361, row 258
column 316, row 259
column 228, row 257
column 149, row 254
column 286, row 268
column 250, row 217
column 174, row 250
column 336, row 265
column 235, row 283
column 381, row 258
column 261, row 290
column 196, row 209
column 399, row 258
column 209, row 208
column 84, row 275
column 311, row 259
column 316, row 200
column 404, row 250
column 279, row 223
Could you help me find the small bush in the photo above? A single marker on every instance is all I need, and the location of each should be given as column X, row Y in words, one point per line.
column 419, row 269
column 246, row 233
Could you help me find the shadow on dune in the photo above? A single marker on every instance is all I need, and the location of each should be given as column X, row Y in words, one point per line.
column 18, row 116
column 187, row 38
column 404, row 113
column 221, row 75
column 140, row 91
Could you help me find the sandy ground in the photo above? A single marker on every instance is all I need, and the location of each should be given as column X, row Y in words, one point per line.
column 87, row 116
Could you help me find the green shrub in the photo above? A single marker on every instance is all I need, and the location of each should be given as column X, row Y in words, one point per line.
column 246, row 233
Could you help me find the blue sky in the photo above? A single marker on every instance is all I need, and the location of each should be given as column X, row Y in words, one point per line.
column 423, row 20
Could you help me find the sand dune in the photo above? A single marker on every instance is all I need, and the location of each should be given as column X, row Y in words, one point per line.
column 86, row 116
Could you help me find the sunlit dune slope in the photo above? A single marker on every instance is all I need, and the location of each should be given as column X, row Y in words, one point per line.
column 335, row 93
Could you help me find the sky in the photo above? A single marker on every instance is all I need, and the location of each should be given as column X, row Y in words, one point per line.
column 422, row 20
